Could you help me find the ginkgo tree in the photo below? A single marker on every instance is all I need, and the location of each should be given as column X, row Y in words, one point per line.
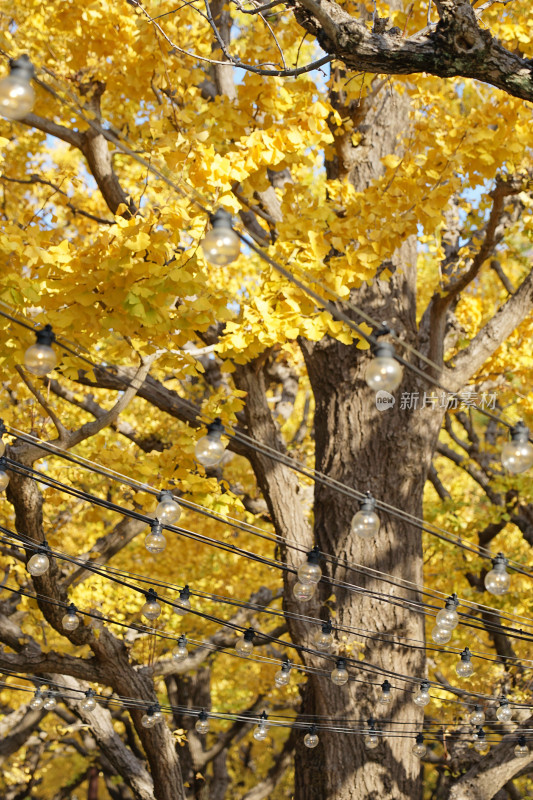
column 332, row 133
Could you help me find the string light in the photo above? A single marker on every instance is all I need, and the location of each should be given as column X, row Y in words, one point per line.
column 310, row 571
column 50, row 701
column 365, row 523
column 419, row 749
column 168, row 510
column 385, row 696
column 89, row 704
column 37, row 701
column 504, row 712
column 152, row 717
column 40, row 358
column 183, row 604
column 155, row 542
column 498, row 580
column 521, row 750
column 283, row 675
column 384, row 372
column 16, row 92
column 371, row 740
column 261, row 731
column 71, row 620
column 151, row 609
column 323, row 639
column 202, row 723
column 480, row 742
column 311, row 738
column 4, row 477
column 245, row 646
column 448, row 617
column 464, row 667
column 422, row 697
column 180, row 652
column 221, row 245
column 303, row 591
column 441, row 635
column 517, row 455
column 209, row 448
column 39, row 563
column 477, row 717
column 339, row 675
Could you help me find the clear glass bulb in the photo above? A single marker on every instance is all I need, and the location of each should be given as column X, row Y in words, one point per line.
column 167, row 510
column 464, row 669
column 339, row 676
column 447, row 618
column 303, row 591
column 209, row 450
column 37, row 701
column 504, row 713
column 521, row 751
column 4, row 480
column 498, row 580
column 38, row 564
column 50, row 703
column 244, row 647
column 282, row 677
column 440, row 634
column 422, row 698
column 309, row 572
column 481, row 746
column 151, row 609
column 261, row 732
column 371, row 741
column 40, row 359
column 202, row 726
column 148, row 720
column 477, row 717
column 419, row 750
column 89, row 704
column 365, row 524
column 155, row 542
column 517, row 456
column 16, row 97
column 183, row 606
column 221, row 246
column 385, row 697
column 310, row 740
column 180, row 653
column 323, row 641
column 70, row 622
column 384, row 373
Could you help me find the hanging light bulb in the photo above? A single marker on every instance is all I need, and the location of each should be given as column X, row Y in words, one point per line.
column 441, row 635
column 384, row 372
column 221, row 245
column 89, row 704
column 371, row 740
column 477, row 717
column 480, row 742
column 40, row 359
column 303, row 591
column 2, row 443
column 71, row 620
column 365, row 523
column 310, row 571
column 419, row 749
column 339, row 675
column 183, row 604
column 37, row 701
column 155, row 542
column 311, row 738
column 16, row 92
column 498, row 580
column 323, row 639
column 261, row 731
column 168, row 509
column 210, row 449
column 521, row 750
column 448, row 616
column 517, row 455
column 151, row 609
column 422, row 697
column 149, row 720
column 180, row 652
column 4, row 477
column 49, row 702
column 39, row 562
column 245, row 646
column 504, row 712
column 202, row 723
column 283, row 675
column 464, row 667
column 385, row 696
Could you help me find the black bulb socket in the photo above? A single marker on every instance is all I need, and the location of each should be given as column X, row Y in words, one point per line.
column 45, row 336
column 215, row 429
column 519, row 432
column 22, row 67
column 221, row 219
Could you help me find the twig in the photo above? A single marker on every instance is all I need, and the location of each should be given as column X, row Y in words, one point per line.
column 35, row 179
